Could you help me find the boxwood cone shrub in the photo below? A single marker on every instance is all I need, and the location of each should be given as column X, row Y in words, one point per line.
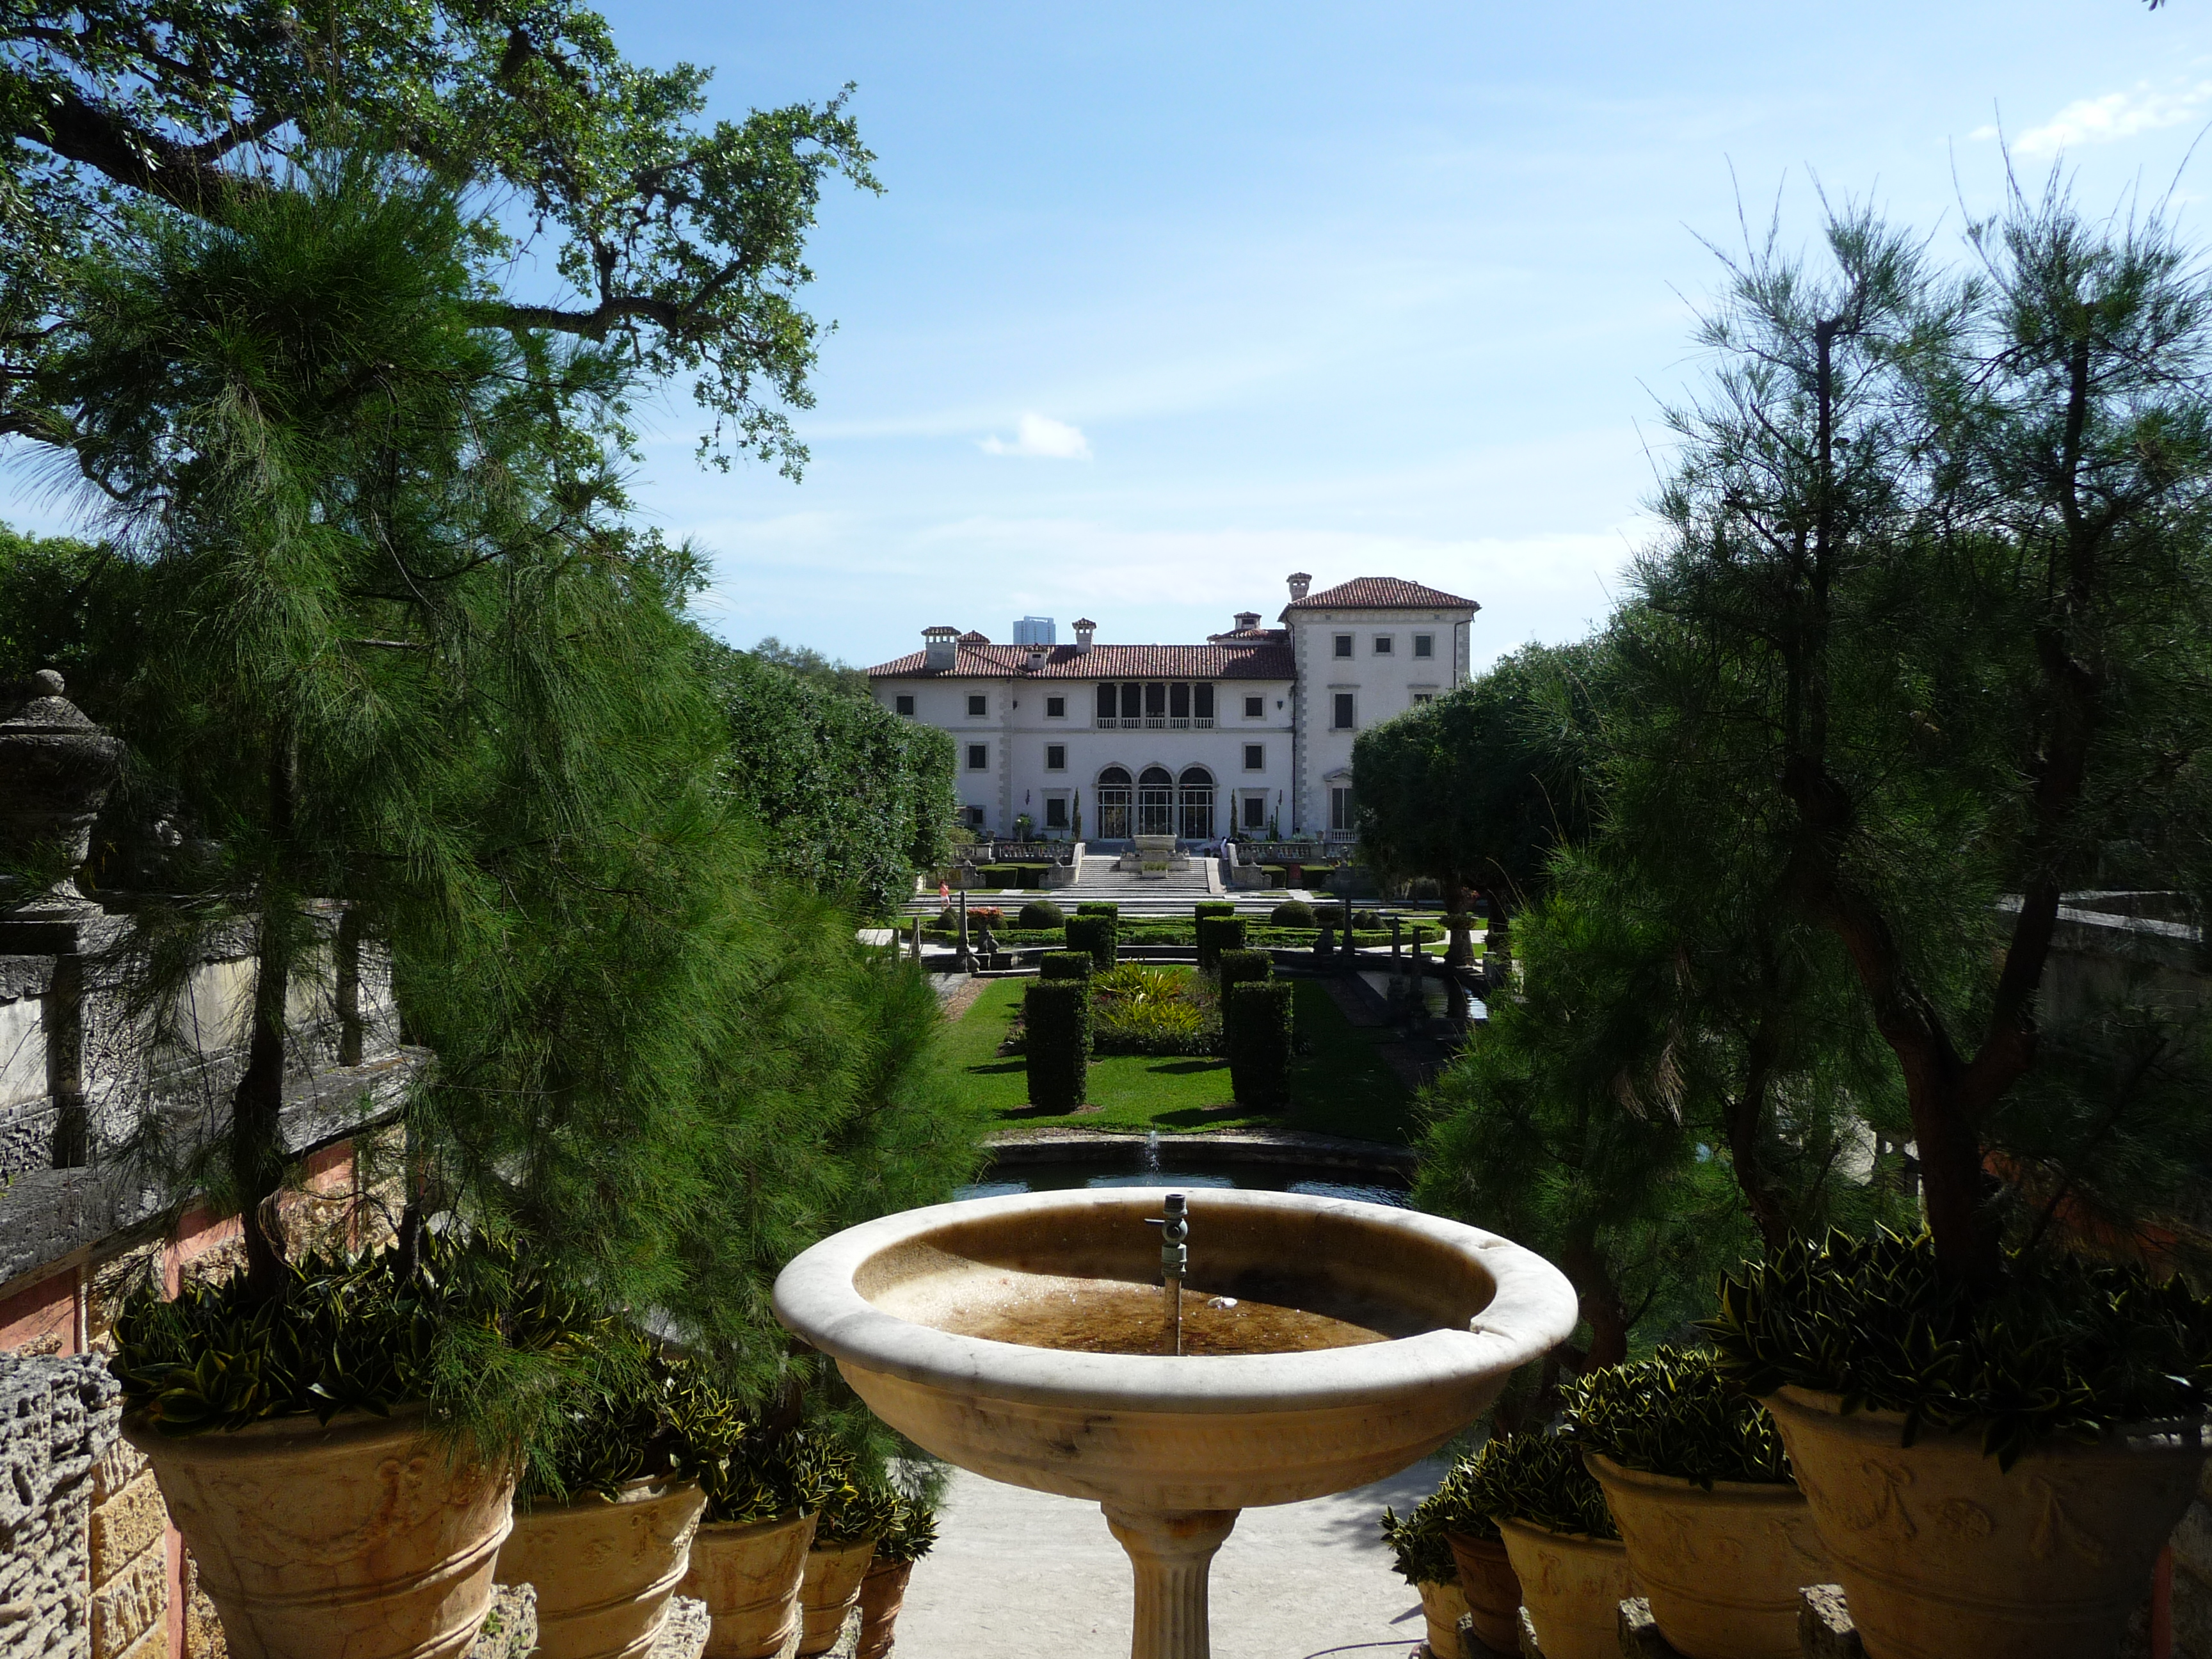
column 1056, row 1016
column 1215, row 935
column 1675, row 1413
column 2073, row 1350
column 1417, row 1545
column 1539, row 1479
column 1094, row 934
column 1236, row 966
column 1292, row 913
column 1256, row 1029
column 1039, row 913
column 1065, row 964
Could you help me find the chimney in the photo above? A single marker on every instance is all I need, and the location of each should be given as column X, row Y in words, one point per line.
column 1247, row 620
column 938, row 647
column 1085, row 628
column 1299, row 582
column 1035, row 659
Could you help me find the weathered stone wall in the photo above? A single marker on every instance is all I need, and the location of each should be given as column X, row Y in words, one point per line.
column 57, row 1426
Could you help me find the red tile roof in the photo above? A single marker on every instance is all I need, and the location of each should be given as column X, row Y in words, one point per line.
column 971, row 637
column 1381, row 593
column 1257, row 660
column 1256, row 635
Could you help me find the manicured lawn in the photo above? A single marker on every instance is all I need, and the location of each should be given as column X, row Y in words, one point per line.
column 1340, row 1085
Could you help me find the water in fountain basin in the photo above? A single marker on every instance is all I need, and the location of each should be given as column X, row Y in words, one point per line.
column 1097, row 1316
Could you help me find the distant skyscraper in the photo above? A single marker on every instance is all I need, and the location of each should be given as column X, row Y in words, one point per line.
column 1033, row 630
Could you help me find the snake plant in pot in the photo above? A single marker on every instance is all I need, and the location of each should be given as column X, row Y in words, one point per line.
column 1487, row 1580
column 1992, row 1469
column 1424, row 1560
column 609, row 1502
column 910, row 1534
column 1565, row 1552
column 854, row 1511
column 749, row 1556
column 1694, row 1475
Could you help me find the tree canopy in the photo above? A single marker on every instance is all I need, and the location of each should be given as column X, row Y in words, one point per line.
column 682, row 243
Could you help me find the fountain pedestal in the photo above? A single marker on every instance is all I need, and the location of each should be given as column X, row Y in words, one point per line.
column 1172, row 1554
column 1172, row 1448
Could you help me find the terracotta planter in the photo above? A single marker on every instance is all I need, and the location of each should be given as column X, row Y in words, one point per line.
column 748, row 1573
column 1940, row 1553
column 367, row 1538
column 1573, row 1586
column 883, row 1592
column 1486, row 1579
column 1721, row 1568
column 1443, row 1607
column 834, row 1573
column 604, row 1570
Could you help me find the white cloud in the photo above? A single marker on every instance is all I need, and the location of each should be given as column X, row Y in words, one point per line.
column 1041, row 435
column 2114, row 116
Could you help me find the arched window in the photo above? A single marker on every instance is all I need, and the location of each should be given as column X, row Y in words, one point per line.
column 1194, row 804
column 1113, row 798
column 1156, row 802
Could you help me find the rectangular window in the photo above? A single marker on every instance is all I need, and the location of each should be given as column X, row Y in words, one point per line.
column 1256, row 812
column 1055, row 811
column 978, row 757
column 1156, row 700
column 1343, row 645
column 1106, row 707
column 1179, row 701
column 1343, row 722
column 1255, row 757
column 1056, row 757
column 1255, row 707
column 977, row 706
column 1424, row 645
column 1055, row 708
column 1340, row 807
column 1202, row 701
column 1383, row 644
column 976, row 817
column 1421, row 697
column 906, row 705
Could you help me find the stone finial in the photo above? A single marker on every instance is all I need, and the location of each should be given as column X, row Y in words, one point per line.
column 55, row 769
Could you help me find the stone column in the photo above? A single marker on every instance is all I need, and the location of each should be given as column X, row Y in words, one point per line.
column 1172, row 1554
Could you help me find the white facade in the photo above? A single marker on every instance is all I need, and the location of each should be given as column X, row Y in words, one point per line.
column 1249, row 733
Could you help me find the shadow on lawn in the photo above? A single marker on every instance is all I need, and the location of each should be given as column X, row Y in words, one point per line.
column 1186, row 1068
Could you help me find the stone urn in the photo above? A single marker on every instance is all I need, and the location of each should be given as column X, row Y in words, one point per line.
column 749, row 1574
column 55, row 769
column 830, row 1590
column 1721, row 1566
column 604, row 1569
column 1491, row 1591
column 1572, row 1585
column 883, row 1592
column 367, row 1538
column 1941, row 1553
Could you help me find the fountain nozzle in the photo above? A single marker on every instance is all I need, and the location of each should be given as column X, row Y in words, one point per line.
column 1175, row 1228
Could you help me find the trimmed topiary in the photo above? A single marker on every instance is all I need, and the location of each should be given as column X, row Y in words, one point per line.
column 1674, row 1414
column 1292, row 913
column 1538, row 1479
column 1256, row 1032
column 1215, row 935
column 1039, row 913
column 1099, row 908
column 1096, row 935
column 1236, row 966
column 1056, row 1018
column 1213, row 907
column 1065, row 964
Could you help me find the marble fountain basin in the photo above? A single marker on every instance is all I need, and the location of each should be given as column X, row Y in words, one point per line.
column 942, row 1319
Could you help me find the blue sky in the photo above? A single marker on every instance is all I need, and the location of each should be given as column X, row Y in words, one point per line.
column 1163, row 302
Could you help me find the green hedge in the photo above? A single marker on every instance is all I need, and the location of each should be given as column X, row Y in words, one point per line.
column 1056, row 1021
column 1065, row 964
column 1213, row 907
column 1292, row 913
column 1256, row 1032
column 1095, row 934
column 1098, row 910
column 1217, row 933
column 1040, row 913
column 1239, row 967
column 856, row 799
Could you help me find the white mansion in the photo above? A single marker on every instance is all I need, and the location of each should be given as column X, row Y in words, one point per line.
column 1251, row 731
